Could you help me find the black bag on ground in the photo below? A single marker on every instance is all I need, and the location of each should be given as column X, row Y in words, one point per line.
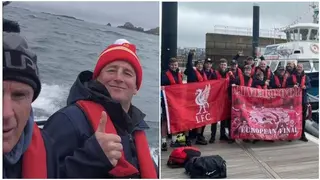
column 207, row 167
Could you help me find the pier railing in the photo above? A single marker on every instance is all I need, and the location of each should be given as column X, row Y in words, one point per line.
column 233, row 30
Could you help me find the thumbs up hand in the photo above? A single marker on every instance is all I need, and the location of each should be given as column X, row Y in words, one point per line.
column 109, row 143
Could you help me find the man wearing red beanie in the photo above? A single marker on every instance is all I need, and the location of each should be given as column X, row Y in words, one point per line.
column 100, row 134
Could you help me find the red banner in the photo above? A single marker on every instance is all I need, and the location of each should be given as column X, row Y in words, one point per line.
column 273, row 114
column 194, row 105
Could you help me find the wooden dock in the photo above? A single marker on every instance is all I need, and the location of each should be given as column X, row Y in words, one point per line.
column 263, row 160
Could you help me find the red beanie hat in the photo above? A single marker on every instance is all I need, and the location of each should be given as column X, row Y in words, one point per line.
column 120, row 50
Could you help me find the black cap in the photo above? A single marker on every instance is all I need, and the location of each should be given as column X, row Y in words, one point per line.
column 207, row 60
column 234, row 62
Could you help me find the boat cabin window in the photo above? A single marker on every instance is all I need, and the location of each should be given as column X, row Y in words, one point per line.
column 306, row 65
column 316, row 65
column 289, row 34
column 296, row 34
column 314, row 34
column 303, row 34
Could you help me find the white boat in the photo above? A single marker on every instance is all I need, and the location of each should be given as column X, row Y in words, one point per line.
column 302, row 46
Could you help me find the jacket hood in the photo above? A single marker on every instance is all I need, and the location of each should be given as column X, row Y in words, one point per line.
column 85, row 88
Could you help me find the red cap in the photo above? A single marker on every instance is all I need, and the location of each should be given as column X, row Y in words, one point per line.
column 120, row 50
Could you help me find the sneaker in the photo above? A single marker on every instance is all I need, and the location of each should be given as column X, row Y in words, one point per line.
column 212, row 139
column 164, row 147
column 201, row 140
column 304, row 139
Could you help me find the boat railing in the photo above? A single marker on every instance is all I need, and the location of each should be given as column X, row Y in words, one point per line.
column 233, row 30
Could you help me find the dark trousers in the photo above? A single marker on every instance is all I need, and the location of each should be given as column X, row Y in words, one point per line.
column 223, row 125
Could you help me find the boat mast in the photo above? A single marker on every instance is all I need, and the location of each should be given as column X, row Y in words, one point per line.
column 315, row 8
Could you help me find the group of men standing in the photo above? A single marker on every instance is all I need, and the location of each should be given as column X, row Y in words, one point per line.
column 260, row 76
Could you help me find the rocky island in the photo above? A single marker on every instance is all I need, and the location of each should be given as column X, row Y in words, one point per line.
column 130, row 26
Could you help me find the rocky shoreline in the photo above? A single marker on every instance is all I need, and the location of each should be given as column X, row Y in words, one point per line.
column 130, row 26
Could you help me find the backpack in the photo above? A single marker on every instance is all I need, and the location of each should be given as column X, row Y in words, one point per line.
column 207, row 167
column 179, row 156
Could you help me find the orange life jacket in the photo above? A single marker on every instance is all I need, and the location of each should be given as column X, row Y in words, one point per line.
column 241, row 78
column 277, row 81
column 253, row 70
column 171, row 78
column 303, row 80
column 268, row 73
column 34, row 162
column 200, row 77
column 228, row 75
column 123, row 168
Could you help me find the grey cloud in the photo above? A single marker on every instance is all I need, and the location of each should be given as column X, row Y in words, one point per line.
column 196, row 18
column 144, row 14
column 244, row 9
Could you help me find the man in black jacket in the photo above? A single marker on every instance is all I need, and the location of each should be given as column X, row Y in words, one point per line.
column 171, row 77
column 301, row 80
column 28, row 152
column 246, row 80
column 222, row 73
column 196, row 74
column 210, row 73
column 100, row 134
column 279, row 79
column 290, row 68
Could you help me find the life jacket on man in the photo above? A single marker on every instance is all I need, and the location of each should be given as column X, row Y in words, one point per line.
column 200, row 77
column 229, row 75
column 302, row 80
column 280, row 84
column 172, row 79
column 210, row 74
column 267, row 73
column 123, row 168
column 34, row 162
column 243, row 83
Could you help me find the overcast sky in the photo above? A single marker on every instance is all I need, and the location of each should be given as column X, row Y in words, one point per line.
column 196, row 19
column 143, row 14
